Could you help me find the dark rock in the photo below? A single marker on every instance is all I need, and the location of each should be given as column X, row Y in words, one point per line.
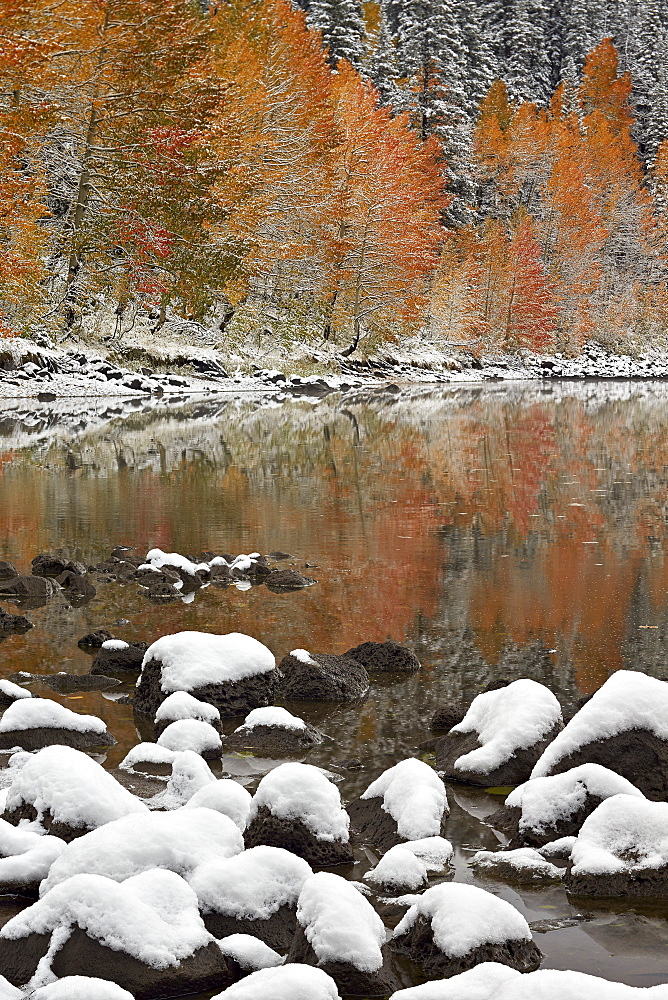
column 122, row 551
column 447, row 717
column 287, row 579
column 352, row 764
column 371, row 824
column 46, row 564
column 385, row 657
column 13, row 624
column 39, row 587
column 230, row 698
column 144, row 786
column 326, row 677
column 162, row 591
column 513, row 771
column 293, row 835
column 7, row 571
column 278, row 556
column 46, row 397
column 277, row 931
column 273, row 741
column 76, row 585
column 76, row 567
column 65, row 683
column 46, row 736
column 639, row 882
column 221, row 575
column 93, row 640
column 350, row 980
column 112, row 661
column 418, row 943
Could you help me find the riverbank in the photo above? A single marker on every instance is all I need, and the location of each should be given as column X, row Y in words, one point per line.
column 143, row 368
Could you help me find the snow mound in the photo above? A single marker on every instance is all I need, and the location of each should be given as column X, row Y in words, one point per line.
column 490, row 981
column 9, row 992
column 190, row 774
column 395, row 868
column 148, row 753
column 435, row 852
column 72, row 788
column 191, row 734
column 414, row 796
column 249, row 952
column 13, row 691
column 623, row 833
column 42, row 713
column 339, row 923
column 288, row 982
column 26, row 857
column 156, row 558
column 152, row 916
column 115, row 644
column 191, row 660
column 464, row 917
column 182, row 705
column 80, row 988
column 180, row 841
column 546, row 801
column 525, row 862
column 301, row 791
column 628, row 700
column 225, row 796
column 560, row 848
column 303, row 656
column 508, row 719
column 251, row 885
column 271, row 716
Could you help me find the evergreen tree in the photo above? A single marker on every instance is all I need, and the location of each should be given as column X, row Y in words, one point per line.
column 341, row 24
column 527, row 70
column 384, row 68
column 480, row 62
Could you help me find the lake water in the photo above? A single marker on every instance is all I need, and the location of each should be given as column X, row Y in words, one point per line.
column 498, row 530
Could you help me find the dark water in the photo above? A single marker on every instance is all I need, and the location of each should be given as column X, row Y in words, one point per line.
column 513, row 530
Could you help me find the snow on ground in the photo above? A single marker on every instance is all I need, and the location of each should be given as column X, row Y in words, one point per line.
column 190, row 660
column 491, row 981
column 35, row 713
column 301, row 791
column 525, row 862
column 249, row 952
column 414, row 796
column 339, row 923
column 80, row 988
column 225, row 796
column 13, row 690
column 251, row 885
column 547, row 801
column 464, row 917
column 181, row 840
column 628, row 700
column 273, row 715
column 182, row 705
column 191, row 734
column 287, row 982
column 72, row 787
column 152, row 916
column 25, row 856
column 508, row 719
column 624, row 833
column 190, row 774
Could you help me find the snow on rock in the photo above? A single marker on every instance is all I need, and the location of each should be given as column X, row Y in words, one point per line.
column 115, row 645
column 80, row 988
column 272, row 715
column 523, row 864
column 405, row 866
column 225, row 796
column 288, row 982
column 190, row 774
column 191, row 734
column 191, row 660
column 25, row 858
column 180, row 840
column 273, row 732
column 413, row 796
column 303, row 656
column 557, row 805
column 12, row 692
column 148, row 753
column 452, row 926
column 501, row 736
column 156, row 558
column 36, row 722
column 558, row 848
column 9, row 992
column 254, row 892
column 491, row 981
column 249, row 952
column 624, row 726
column 68, row 793
column 181, row 705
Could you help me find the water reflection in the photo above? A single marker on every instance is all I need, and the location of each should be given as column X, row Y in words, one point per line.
column 499, row 531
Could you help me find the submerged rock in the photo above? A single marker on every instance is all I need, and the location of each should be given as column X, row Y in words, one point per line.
column 385, row 657
column 322, row 677
column 37, row 587
column 46, row 564
column 116, row 656
column 7, row 570
column 13, row 624
column 76, row 585
column 287, row 579
column 93, row 640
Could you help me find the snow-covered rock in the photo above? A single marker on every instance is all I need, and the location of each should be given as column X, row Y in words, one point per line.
column 273, row 732
column 192, row 734
column 25, row 859
column 234, row 672
column 340, row 932
column 524, row 864
column 67, row 793
column 322, row 677
column 33, row 723
column 145, row 935
column 190, row 774
column 546, row 809
column 80, row 988
column 181, row 705
column 501, row 736
column 452, row 927
column 407, row 802
column 254, row 892
column 406, row 866
column 225, row 796
column 624, row 727
column 10, row 692
column 248, row 954
column 180, row 841
column 287, row 982
column 117, row 657
column 621, row 849
column 147, row 753
column 298, row 808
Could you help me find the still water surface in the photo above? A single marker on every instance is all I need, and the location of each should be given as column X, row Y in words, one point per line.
column 513, row 530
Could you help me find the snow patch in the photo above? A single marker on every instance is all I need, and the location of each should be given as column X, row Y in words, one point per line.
column 249, row 952
column 525, row 861
column 271, row 716
column 13, row 690
column 80, row 988
column 115, row 644
column 251, row 885
column 287, row 982
column 303, row 656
